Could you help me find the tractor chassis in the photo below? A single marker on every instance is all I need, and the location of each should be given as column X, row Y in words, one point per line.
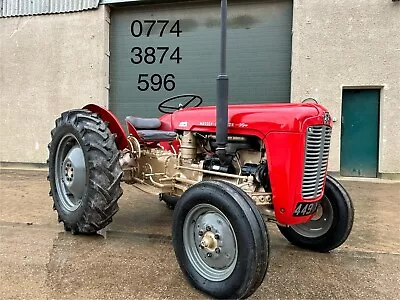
column 183, row 176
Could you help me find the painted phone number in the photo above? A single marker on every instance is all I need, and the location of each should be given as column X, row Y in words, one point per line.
column 155, row 55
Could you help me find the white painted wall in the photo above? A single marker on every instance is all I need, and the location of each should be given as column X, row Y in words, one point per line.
column 48, row 64
column 356, row 43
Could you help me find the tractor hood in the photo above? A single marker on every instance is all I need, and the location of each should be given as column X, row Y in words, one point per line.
column 260, row 118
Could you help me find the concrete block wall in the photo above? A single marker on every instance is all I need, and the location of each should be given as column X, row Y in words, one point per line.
column 339, row 44
column 48, row 64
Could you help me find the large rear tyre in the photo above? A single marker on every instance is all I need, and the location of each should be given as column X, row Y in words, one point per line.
column 220, row 240
column 84, row 172
column 331, row 224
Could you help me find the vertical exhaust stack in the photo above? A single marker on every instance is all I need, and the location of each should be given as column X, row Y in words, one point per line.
column 222, row 93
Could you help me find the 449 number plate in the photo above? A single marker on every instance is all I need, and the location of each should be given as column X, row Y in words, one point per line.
column 305, row 209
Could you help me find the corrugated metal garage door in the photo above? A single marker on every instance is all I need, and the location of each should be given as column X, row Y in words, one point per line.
column 158, row 51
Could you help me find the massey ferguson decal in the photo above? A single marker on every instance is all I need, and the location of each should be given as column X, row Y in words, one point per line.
column 240, row 125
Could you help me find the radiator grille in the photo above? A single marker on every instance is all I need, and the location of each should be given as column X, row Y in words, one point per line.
column 316, row 160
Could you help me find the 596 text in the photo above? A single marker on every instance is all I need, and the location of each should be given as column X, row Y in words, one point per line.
column 156, row 82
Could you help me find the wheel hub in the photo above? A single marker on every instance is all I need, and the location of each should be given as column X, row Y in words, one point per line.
column 75, row 172
column 320, row 223
column 318, row 214
column 210, row 242
column 70, row 172
column 216, row 241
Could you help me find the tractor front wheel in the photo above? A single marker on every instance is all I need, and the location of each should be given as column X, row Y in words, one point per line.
column 84, row 172
column 330, row 226
column 220, row 240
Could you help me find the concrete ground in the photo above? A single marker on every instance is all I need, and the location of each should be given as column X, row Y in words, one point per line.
column 135, row 259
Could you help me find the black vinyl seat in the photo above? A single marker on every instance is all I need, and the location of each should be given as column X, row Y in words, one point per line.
column 144, row 123
column 147, row 129
column 156, row 135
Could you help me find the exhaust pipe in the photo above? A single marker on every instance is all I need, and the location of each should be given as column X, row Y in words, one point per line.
column 222, row 93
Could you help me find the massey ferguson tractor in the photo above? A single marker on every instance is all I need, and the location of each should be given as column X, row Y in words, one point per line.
column 224, row 169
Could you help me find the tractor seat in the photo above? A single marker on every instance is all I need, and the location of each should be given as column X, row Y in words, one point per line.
column 147, row 129
column 156, row 135
column 144, row 123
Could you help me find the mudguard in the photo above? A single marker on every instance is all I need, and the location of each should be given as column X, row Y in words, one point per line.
column 113, row 124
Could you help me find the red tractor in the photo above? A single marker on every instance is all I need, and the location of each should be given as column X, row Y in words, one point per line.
column 225, row 169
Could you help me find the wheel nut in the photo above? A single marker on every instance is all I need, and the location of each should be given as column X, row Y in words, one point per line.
column 217, row 250
column 209, row 254
column 216, row 236
column 201, row 232
column 208, row 228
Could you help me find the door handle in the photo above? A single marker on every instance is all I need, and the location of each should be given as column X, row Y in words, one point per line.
column 342, row 126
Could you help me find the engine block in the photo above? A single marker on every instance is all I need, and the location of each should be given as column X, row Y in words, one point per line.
column 156, row 170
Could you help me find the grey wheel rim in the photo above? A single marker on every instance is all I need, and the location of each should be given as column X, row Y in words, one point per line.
column 70, row 173
column 210, row 242
column 319, row 224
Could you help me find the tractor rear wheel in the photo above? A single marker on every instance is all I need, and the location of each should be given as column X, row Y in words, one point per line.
column 220, row 240
column 331, row 224
column 84, row 172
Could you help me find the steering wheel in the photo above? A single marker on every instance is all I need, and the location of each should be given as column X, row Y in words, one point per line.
column 169, row 109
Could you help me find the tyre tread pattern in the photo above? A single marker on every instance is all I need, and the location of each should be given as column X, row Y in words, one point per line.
column 105, row 173
column 262, row 241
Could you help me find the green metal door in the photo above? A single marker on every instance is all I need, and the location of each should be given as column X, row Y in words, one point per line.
column 360, row 133
column 159, row 51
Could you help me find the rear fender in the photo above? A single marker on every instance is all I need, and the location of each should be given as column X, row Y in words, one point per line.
column 132, row 131
column 113, row 124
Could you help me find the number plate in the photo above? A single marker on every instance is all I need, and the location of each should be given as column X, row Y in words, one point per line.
column 305, row 209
